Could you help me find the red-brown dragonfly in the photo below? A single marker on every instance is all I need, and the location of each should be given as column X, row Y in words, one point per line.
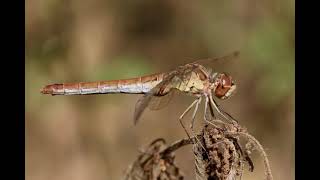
column 194, row 79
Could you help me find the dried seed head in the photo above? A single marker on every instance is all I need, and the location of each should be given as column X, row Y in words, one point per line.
column 153, row 165
column 220, row 159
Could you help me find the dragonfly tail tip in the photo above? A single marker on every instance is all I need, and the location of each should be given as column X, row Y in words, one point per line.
column 47, row 90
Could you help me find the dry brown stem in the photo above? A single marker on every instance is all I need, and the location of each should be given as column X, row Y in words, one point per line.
column 156, row 162
column 217, row 151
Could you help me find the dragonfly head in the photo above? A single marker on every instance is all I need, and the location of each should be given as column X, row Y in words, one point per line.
column 224, row 86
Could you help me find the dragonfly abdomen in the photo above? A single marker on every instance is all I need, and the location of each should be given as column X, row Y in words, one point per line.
column 140, row 85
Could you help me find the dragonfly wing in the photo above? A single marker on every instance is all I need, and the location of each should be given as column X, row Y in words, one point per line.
column 171, row 86
column 141, row 105
column 154, row 101
column 159, row 102
column 211, row 62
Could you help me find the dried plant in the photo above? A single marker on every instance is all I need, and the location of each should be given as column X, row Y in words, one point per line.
column 156, row 162
column 217, row 151
column 222, row 156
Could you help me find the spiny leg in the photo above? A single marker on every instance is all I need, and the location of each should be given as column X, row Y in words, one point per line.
column 192, row 123
column 188, row 109
column 216, row 106
column 193, row 116
column 205, row 112
column 220, row 112
column 184, row 113
column 211, row 112
column 214, row 120
column 197, row 102
column 194, row 113
column 217, row 121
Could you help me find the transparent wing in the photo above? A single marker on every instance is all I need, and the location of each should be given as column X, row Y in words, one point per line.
column 159, row 102
column 155, row 102
column 210, row 62
column 151, row 101
column 141, row 105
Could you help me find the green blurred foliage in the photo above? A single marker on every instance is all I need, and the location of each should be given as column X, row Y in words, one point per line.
column 274, row 60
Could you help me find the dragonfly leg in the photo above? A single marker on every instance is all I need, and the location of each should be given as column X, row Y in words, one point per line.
column 184, row 113
column 222, row 113
column 188, row 109
column 195, row 112
column 205, row 112
column 197, row 102
column 211, row 111
column 192, row 123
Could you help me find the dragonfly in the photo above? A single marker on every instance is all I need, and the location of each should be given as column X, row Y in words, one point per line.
column 196, row 79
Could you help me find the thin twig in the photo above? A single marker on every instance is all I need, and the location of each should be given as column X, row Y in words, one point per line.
column 176, row 145
column 173, row 147
column 261, row 150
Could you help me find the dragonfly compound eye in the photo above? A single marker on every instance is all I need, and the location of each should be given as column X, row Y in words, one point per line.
column 225, row 86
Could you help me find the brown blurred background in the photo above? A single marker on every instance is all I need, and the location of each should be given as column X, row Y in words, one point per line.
column 93, row 137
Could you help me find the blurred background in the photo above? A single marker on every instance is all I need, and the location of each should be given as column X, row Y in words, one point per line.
column 93, row 137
